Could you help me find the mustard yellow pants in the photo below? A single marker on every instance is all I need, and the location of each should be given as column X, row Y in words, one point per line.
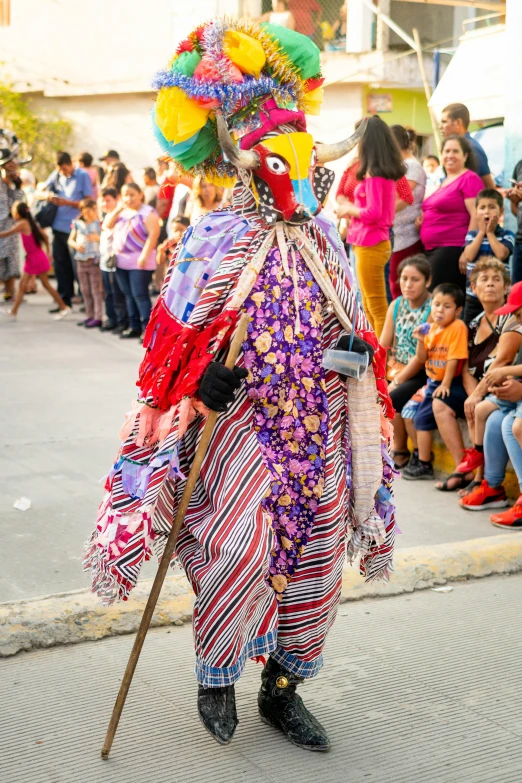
column 369, row 265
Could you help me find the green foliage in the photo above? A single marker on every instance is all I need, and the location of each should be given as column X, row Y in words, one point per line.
column 41, row 134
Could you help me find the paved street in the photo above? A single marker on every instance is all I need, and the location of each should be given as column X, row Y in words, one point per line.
column 423, row 688
column 65, row 391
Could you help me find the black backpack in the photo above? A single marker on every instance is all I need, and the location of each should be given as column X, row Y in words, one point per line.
column 45, row 212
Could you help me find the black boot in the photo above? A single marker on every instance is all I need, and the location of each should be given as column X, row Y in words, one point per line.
column 217, row 711
column 281, row 707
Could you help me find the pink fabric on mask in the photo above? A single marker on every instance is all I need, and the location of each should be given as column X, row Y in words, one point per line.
column 271, row 117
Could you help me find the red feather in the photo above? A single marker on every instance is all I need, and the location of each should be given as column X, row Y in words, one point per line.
column 313, row 84
column 185, row 46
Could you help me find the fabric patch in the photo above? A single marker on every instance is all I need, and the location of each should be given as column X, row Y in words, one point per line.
column 323, row 181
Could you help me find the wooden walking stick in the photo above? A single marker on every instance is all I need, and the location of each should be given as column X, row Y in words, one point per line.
column 161, row 573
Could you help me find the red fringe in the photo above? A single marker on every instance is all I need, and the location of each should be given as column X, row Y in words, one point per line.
column 177, row 355
column 379, row 367
column 196, row 362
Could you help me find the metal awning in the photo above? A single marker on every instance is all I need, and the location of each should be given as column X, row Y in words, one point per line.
column 476, row 75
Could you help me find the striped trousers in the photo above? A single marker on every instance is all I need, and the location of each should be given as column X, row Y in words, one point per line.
column 225, row 545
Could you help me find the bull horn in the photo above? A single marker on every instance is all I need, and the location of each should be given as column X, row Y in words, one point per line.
column 241, row 159
column 326, row 152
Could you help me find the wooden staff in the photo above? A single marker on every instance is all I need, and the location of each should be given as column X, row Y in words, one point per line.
column 201, row 451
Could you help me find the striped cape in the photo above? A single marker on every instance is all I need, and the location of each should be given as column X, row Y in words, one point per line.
column 208, row 280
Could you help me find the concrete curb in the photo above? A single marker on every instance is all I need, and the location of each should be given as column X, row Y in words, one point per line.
column 74, row 617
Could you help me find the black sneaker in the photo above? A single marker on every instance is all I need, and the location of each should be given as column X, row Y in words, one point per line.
column 416, row 471
column 119, row 329
column 414, row 459
column 108, row 327
column 129, row 334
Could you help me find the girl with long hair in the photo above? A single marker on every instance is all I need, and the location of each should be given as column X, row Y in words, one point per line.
column 372, row 215
column 404, row 371
column 36, row 246
column 116, row 177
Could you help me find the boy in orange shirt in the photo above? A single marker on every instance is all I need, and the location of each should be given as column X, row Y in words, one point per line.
column 443, row 350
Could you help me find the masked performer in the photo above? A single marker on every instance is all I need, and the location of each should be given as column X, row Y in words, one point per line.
column 298, row 463
column 10, row 191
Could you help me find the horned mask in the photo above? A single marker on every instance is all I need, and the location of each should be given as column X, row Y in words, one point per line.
column 288, row 181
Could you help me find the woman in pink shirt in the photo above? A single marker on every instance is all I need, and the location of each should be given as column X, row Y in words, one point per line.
column 449, row 213
column 372, row 215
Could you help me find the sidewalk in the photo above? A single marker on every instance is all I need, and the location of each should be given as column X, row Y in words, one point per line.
column 423, row 688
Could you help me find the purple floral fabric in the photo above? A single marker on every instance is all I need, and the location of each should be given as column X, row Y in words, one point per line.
column 287, row 388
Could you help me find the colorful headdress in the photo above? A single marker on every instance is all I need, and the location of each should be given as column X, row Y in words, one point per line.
column 232, row 65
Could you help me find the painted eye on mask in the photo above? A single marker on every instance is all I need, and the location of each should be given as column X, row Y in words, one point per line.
column 277, row 165
column 313, row 158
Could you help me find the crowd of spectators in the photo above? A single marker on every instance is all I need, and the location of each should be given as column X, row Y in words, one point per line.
column 432, row 259
column 434, row 265
column 109, row 237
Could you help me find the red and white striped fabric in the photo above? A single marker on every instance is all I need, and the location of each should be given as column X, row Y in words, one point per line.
column 225, row 543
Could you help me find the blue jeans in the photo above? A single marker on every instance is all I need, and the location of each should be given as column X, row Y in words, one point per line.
column 500, row 445
column 516, row 265
column 115, row 304
column 135, row 285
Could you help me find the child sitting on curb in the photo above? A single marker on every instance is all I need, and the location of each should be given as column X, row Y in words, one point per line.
column 404, row 372
column 443, row 350
column 495, row 377
column 490, row 239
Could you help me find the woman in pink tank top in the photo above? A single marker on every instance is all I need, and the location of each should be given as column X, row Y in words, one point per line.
column 36, row 263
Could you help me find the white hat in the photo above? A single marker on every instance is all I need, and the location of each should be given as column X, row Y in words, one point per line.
column 10, row 148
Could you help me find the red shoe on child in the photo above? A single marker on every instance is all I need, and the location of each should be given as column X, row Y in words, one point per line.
column 483, row 497
column 472, row 460
column 511, row 519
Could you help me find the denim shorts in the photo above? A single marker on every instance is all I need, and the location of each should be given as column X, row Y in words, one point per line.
column 424, row 420
column 506, row 406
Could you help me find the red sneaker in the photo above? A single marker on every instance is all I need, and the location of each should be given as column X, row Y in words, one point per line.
column 483, row 497
column 472, row 460
column 511, row 519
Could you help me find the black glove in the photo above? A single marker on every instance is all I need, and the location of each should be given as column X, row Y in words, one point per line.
column 358, row 346
column 218, row 385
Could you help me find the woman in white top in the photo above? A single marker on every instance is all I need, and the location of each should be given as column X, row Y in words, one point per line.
column 280, row 15
column 406, row 239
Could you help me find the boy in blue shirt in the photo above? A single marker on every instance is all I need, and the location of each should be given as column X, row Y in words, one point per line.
column 489, row 239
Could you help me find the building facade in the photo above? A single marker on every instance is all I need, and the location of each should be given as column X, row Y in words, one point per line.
column 93, row 64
